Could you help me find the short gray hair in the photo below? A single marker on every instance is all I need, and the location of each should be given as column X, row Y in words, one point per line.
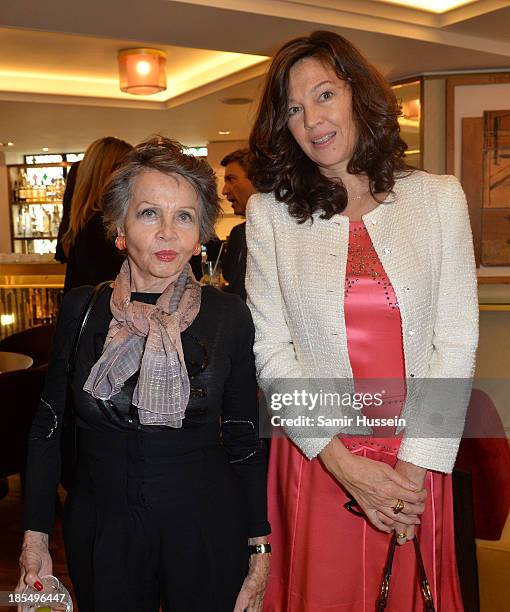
column 166, row 156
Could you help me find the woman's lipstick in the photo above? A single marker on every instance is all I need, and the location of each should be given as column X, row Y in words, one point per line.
column 166, row 255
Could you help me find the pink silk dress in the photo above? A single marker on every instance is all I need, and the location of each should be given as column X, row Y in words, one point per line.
column 326, row 559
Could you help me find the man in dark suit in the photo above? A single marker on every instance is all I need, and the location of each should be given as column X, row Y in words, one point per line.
column 238, row 188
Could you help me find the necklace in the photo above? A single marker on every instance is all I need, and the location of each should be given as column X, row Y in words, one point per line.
column 356, row 197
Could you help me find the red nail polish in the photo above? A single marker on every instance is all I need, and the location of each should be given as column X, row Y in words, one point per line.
column 38, row 585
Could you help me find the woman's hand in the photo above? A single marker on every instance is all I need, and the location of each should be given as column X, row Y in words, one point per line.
column 251, row 595
column 375, row 486
column 417, row 475
column 35, row 561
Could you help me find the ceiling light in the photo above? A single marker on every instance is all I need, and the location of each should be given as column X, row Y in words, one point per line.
column 142, row 71
column 10, row 144
column 45, row 149
column 143, row 67
column 223, row 132
column 432, row 6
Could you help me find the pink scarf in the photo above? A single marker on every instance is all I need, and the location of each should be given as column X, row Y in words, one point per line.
column 147, row 337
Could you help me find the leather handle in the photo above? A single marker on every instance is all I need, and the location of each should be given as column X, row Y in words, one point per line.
column 382, row 600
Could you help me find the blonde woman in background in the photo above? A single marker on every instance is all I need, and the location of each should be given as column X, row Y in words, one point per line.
column 92, row 258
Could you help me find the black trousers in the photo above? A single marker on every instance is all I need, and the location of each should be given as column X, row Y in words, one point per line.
column 145, row 526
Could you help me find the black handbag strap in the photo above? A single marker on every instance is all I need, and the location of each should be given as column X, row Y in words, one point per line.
column 82, row 324
column 384, row 592
column 71, row 363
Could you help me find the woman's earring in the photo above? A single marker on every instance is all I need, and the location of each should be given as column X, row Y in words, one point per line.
column 120, row 243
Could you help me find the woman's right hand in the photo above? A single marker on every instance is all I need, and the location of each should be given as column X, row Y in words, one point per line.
column 35, row 561
column 375, row 486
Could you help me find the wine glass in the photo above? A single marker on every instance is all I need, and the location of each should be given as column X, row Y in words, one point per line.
column 54, row 596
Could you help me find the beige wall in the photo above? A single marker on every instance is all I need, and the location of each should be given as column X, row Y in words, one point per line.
column 434, row 126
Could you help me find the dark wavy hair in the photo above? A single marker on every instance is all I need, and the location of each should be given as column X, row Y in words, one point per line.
column 279, row 164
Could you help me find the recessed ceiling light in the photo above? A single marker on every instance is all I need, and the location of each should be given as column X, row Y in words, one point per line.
column 432, row 6
column 223, row 132
column 237, row 101
column 10, row 144
column 45, row 149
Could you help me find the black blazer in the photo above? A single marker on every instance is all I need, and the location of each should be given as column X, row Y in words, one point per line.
column 220, row 338
column 234, row 261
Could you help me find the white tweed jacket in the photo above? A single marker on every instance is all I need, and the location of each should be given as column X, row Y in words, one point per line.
column 295, row 283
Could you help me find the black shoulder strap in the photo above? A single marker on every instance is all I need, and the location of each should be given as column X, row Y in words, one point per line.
column 82, row 324
column 69, row 439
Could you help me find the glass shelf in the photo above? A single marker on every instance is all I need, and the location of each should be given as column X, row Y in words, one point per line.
column 38, row 203
column 36, row 207
column 42, row 237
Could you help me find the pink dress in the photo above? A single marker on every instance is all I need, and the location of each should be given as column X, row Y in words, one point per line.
column 325, row 559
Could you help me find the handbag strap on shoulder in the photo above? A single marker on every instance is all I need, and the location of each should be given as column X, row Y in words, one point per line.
column 82, row 324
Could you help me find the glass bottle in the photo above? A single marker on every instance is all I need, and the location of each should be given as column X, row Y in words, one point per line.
column 22, row 193
column 27, row 222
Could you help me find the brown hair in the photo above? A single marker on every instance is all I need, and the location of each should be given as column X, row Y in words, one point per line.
column 101, row 158
column 279, row 165
column 166, row 156
column 240, row 156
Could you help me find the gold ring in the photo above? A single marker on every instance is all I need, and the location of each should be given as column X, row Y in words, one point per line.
column 401, row 536
column 398, row 507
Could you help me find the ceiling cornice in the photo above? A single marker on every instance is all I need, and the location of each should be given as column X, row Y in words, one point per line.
column 236, row 78
column 227, row 81
column 10, row 96
column 323, row 12
column 470, row 11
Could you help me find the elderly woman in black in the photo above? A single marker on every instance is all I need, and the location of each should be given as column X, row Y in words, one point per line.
column 168, row 502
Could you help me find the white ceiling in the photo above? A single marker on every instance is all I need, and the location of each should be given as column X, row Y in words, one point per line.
column 400, row 41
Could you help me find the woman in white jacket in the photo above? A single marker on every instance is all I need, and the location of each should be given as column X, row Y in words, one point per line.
column 360, row 276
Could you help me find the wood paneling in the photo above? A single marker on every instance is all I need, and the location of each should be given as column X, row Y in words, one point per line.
column 451, row 84
column 497, row 159
column 496, row 237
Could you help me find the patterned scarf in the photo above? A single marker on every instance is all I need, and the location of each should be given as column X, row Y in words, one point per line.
column 147, row 338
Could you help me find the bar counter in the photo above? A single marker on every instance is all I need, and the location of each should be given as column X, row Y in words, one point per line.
column 30, row 292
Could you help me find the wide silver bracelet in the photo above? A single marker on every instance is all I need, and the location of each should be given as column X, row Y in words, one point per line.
column 259, row 549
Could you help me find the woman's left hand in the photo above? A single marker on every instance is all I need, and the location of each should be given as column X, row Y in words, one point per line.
column 417, row 475
column 251, row 595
